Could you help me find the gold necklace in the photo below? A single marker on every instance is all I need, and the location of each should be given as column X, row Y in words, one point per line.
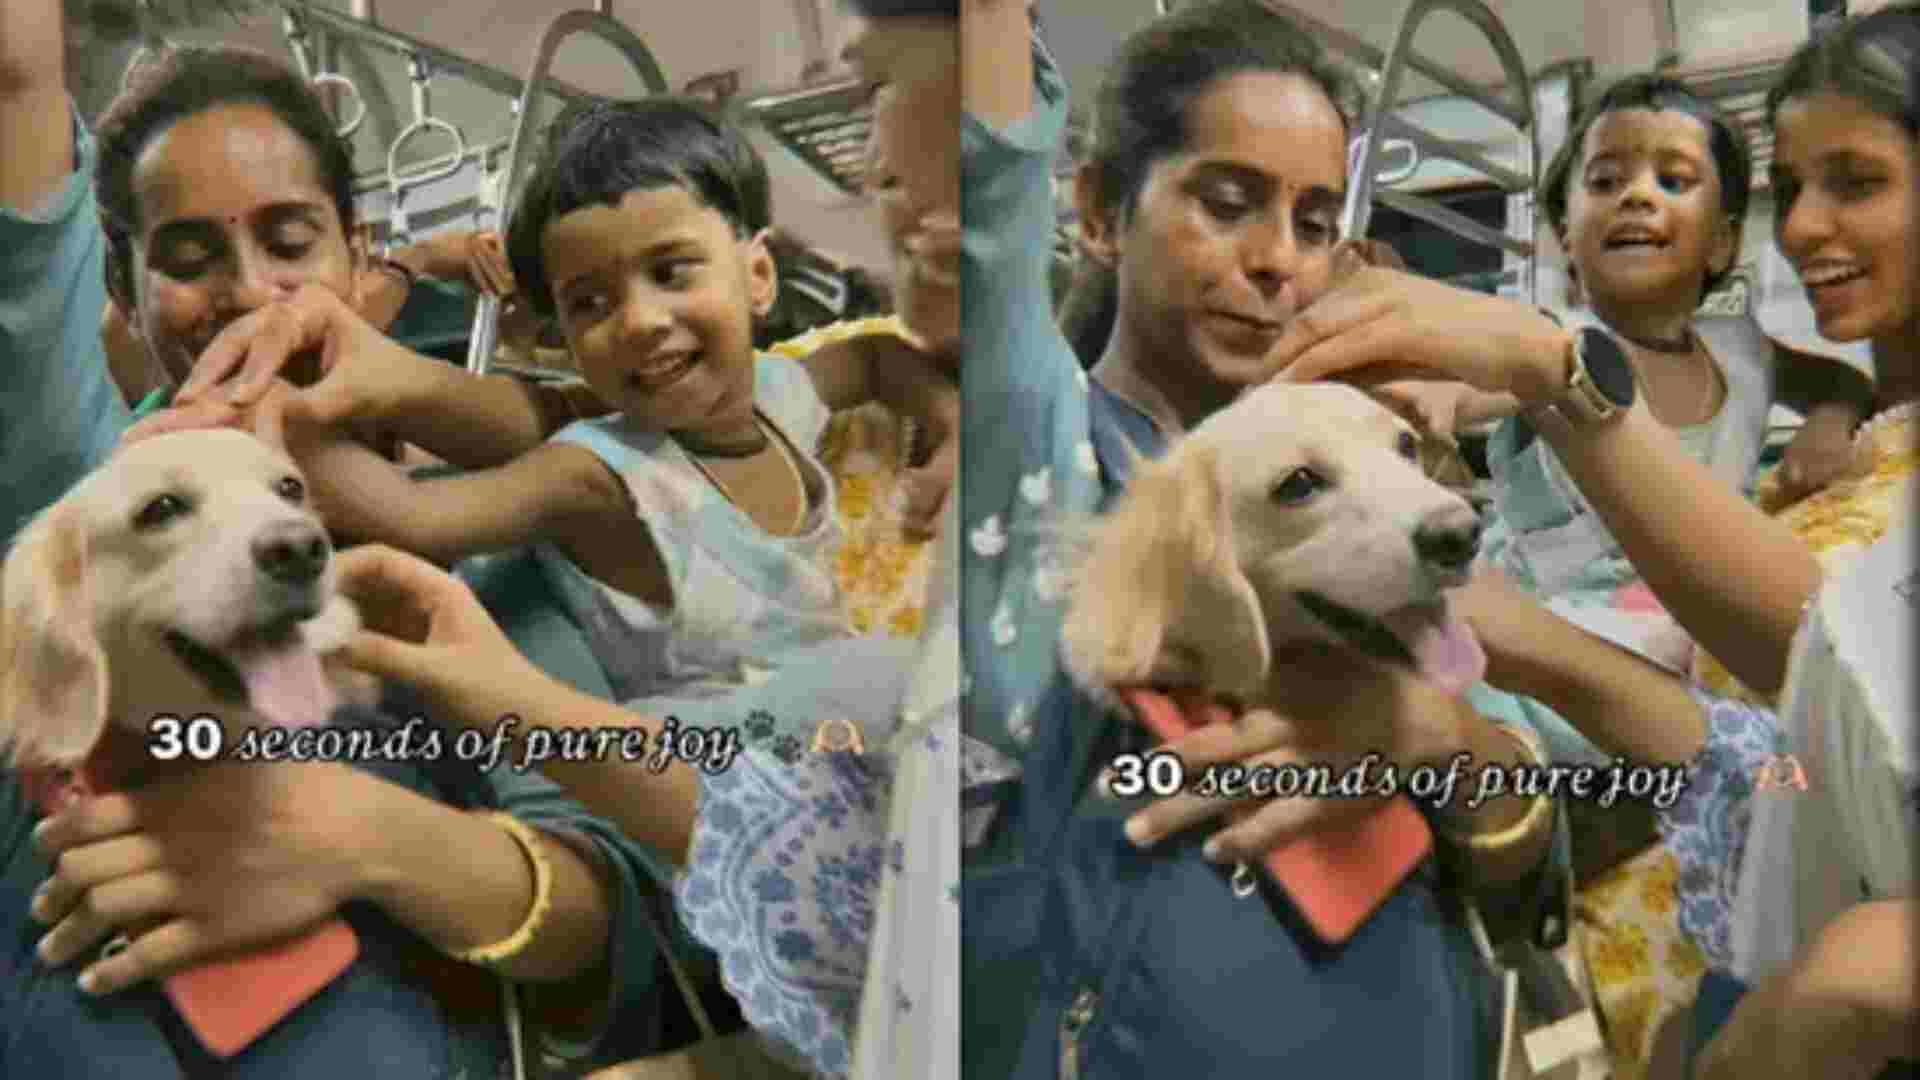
column 793, row 469
column 1713, row 379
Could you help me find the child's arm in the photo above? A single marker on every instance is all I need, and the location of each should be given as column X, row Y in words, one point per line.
column 367, row 377
column 536, row 496
column 1833, row 397
column 486, row 421
column 882, row 367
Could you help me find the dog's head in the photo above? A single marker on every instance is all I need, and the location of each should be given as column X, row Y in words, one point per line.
column 185, row 575
column 1299, row 513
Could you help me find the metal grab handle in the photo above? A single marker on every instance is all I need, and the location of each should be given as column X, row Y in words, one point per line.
column 564, row 25
column 295, row 32
column 1388, row 177
column 423, row 123
column 347, row 127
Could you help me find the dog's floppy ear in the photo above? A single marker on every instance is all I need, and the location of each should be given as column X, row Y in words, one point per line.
column 1160, row 597
column 53, row 671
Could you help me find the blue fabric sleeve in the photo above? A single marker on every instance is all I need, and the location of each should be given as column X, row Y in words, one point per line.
column 60, row 413
column 1707, row 828
column 1026, row 454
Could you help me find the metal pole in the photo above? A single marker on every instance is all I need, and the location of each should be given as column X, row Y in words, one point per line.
column 1373, row 57
column 1359, row 206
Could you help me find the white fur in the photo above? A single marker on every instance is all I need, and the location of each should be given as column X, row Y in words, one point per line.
column 87, row 595
column 1191, row 579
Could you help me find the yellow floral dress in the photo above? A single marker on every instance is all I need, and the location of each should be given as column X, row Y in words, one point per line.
column 882, row 576
column 1645, row 970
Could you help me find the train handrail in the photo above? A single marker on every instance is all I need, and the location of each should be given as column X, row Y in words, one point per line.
column 1358, row 212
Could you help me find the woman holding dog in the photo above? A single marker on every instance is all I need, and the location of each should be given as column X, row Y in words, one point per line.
column 1214, row 189
column 221, row 184
column 1777, row 601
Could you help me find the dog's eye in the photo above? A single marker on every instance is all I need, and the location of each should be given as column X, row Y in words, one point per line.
column 159, row 510
column 1298, row 486
column 290, row 488
column 1408, row 446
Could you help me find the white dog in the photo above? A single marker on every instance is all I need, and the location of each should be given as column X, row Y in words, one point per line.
column 1297, row 514
column 185, row 576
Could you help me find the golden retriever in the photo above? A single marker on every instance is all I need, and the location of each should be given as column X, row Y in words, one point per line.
column 1298, row 514
column 185, row 576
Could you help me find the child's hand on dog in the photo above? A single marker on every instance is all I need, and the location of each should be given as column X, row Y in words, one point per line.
column 424, row 627
column 205, row 413
column 264, row 418
column 343, row 367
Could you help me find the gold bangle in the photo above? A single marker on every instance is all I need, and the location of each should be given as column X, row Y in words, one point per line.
column 1485, row 843
column 515, row 943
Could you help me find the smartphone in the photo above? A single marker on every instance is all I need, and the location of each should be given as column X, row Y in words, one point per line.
column 1337, row 876
column 230, row 1003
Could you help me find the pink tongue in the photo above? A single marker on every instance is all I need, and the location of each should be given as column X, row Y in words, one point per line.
column 1444, row 650
column 285, row 684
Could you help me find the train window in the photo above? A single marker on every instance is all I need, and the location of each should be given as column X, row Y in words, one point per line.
column 1434, row 252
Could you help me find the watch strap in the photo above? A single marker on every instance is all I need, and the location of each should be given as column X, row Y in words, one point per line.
column 1581, row 402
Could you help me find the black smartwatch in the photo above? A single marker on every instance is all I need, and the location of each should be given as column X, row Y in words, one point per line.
column 1602, row 385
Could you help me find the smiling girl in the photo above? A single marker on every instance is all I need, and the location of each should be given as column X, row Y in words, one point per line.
column 1647, row 196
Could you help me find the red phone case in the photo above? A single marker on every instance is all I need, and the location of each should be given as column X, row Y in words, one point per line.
column 230, row 1003
column 1336, row 876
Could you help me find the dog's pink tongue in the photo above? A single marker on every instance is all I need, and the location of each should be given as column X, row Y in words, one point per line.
column 1443, row 647
column 285, row 684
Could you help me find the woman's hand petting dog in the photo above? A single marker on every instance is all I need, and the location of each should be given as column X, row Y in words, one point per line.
column 211, row 861
column 424, row 627
column 1333, row 719
column 1381, row 325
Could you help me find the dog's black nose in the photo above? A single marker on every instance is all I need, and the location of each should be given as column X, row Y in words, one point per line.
column 1451, row 547
column 291, row 553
